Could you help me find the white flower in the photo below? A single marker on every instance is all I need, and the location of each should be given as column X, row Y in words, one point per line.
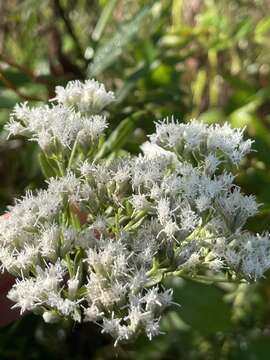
column 255, row 255
column 236, row 208
column 91, row 129
column 89, row 96
column 189, row 220
column 152, row 328
column 168, row 133
column 50, row 317
column 211, row 163
column 163, row 211
column 14, row 127
column 49, row 241
column 192, row 262
column 228, row 140
column 195, row 133
column 93, row 313
column 216, row 265
column 73, row 285
column 55, row 126
column 26, row 295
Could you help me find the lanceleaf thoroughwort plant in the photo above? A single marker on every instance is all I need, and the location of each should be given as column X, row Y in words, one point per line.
column 96, row 244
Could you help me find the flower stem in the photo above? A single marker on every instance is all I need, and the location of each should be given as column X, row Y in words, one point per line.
column 204, row 278
column 73, row 152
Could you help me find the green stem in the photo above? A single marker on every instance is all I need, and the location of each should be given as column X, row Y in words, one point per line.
column 210, row 279
column 60, row 167
column 135, row 220
column 73, row 152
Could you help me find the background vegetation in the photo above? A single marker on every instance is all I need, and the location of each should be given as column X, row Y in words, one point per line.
column 187, row 58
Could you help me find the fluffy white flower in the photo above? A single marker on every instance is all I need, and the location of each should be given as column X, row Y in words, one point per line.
column 89, row 96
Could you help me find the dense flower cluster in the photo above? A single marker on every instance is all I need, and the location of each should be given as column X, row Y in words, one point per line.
column 96, row 243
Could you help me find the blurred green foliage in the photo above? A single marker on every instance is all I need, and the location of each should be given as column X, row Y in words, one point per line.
column 187, row 58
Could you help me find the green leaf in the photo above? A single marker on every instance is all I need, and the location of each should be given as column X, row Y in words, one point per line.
column 198, row 89
column 259, row 348
column 107, row 53
column 131, row 81
column 202, row 306
column 120, row 135
column 211, row 116
column 70, row 265
column 16, row 78
column 8, row 99
column 103, row 20
column 261, row 30
column 46, row 165
column 244, row 28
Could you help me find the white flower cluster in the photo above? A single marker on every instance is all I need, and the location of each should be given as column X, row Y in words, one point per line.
column 95, row 245
column 59, row 126
column 88, row 97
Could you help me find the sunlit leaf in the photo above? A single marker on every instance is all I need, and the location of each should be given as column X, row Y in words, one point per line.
column 107, row 53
